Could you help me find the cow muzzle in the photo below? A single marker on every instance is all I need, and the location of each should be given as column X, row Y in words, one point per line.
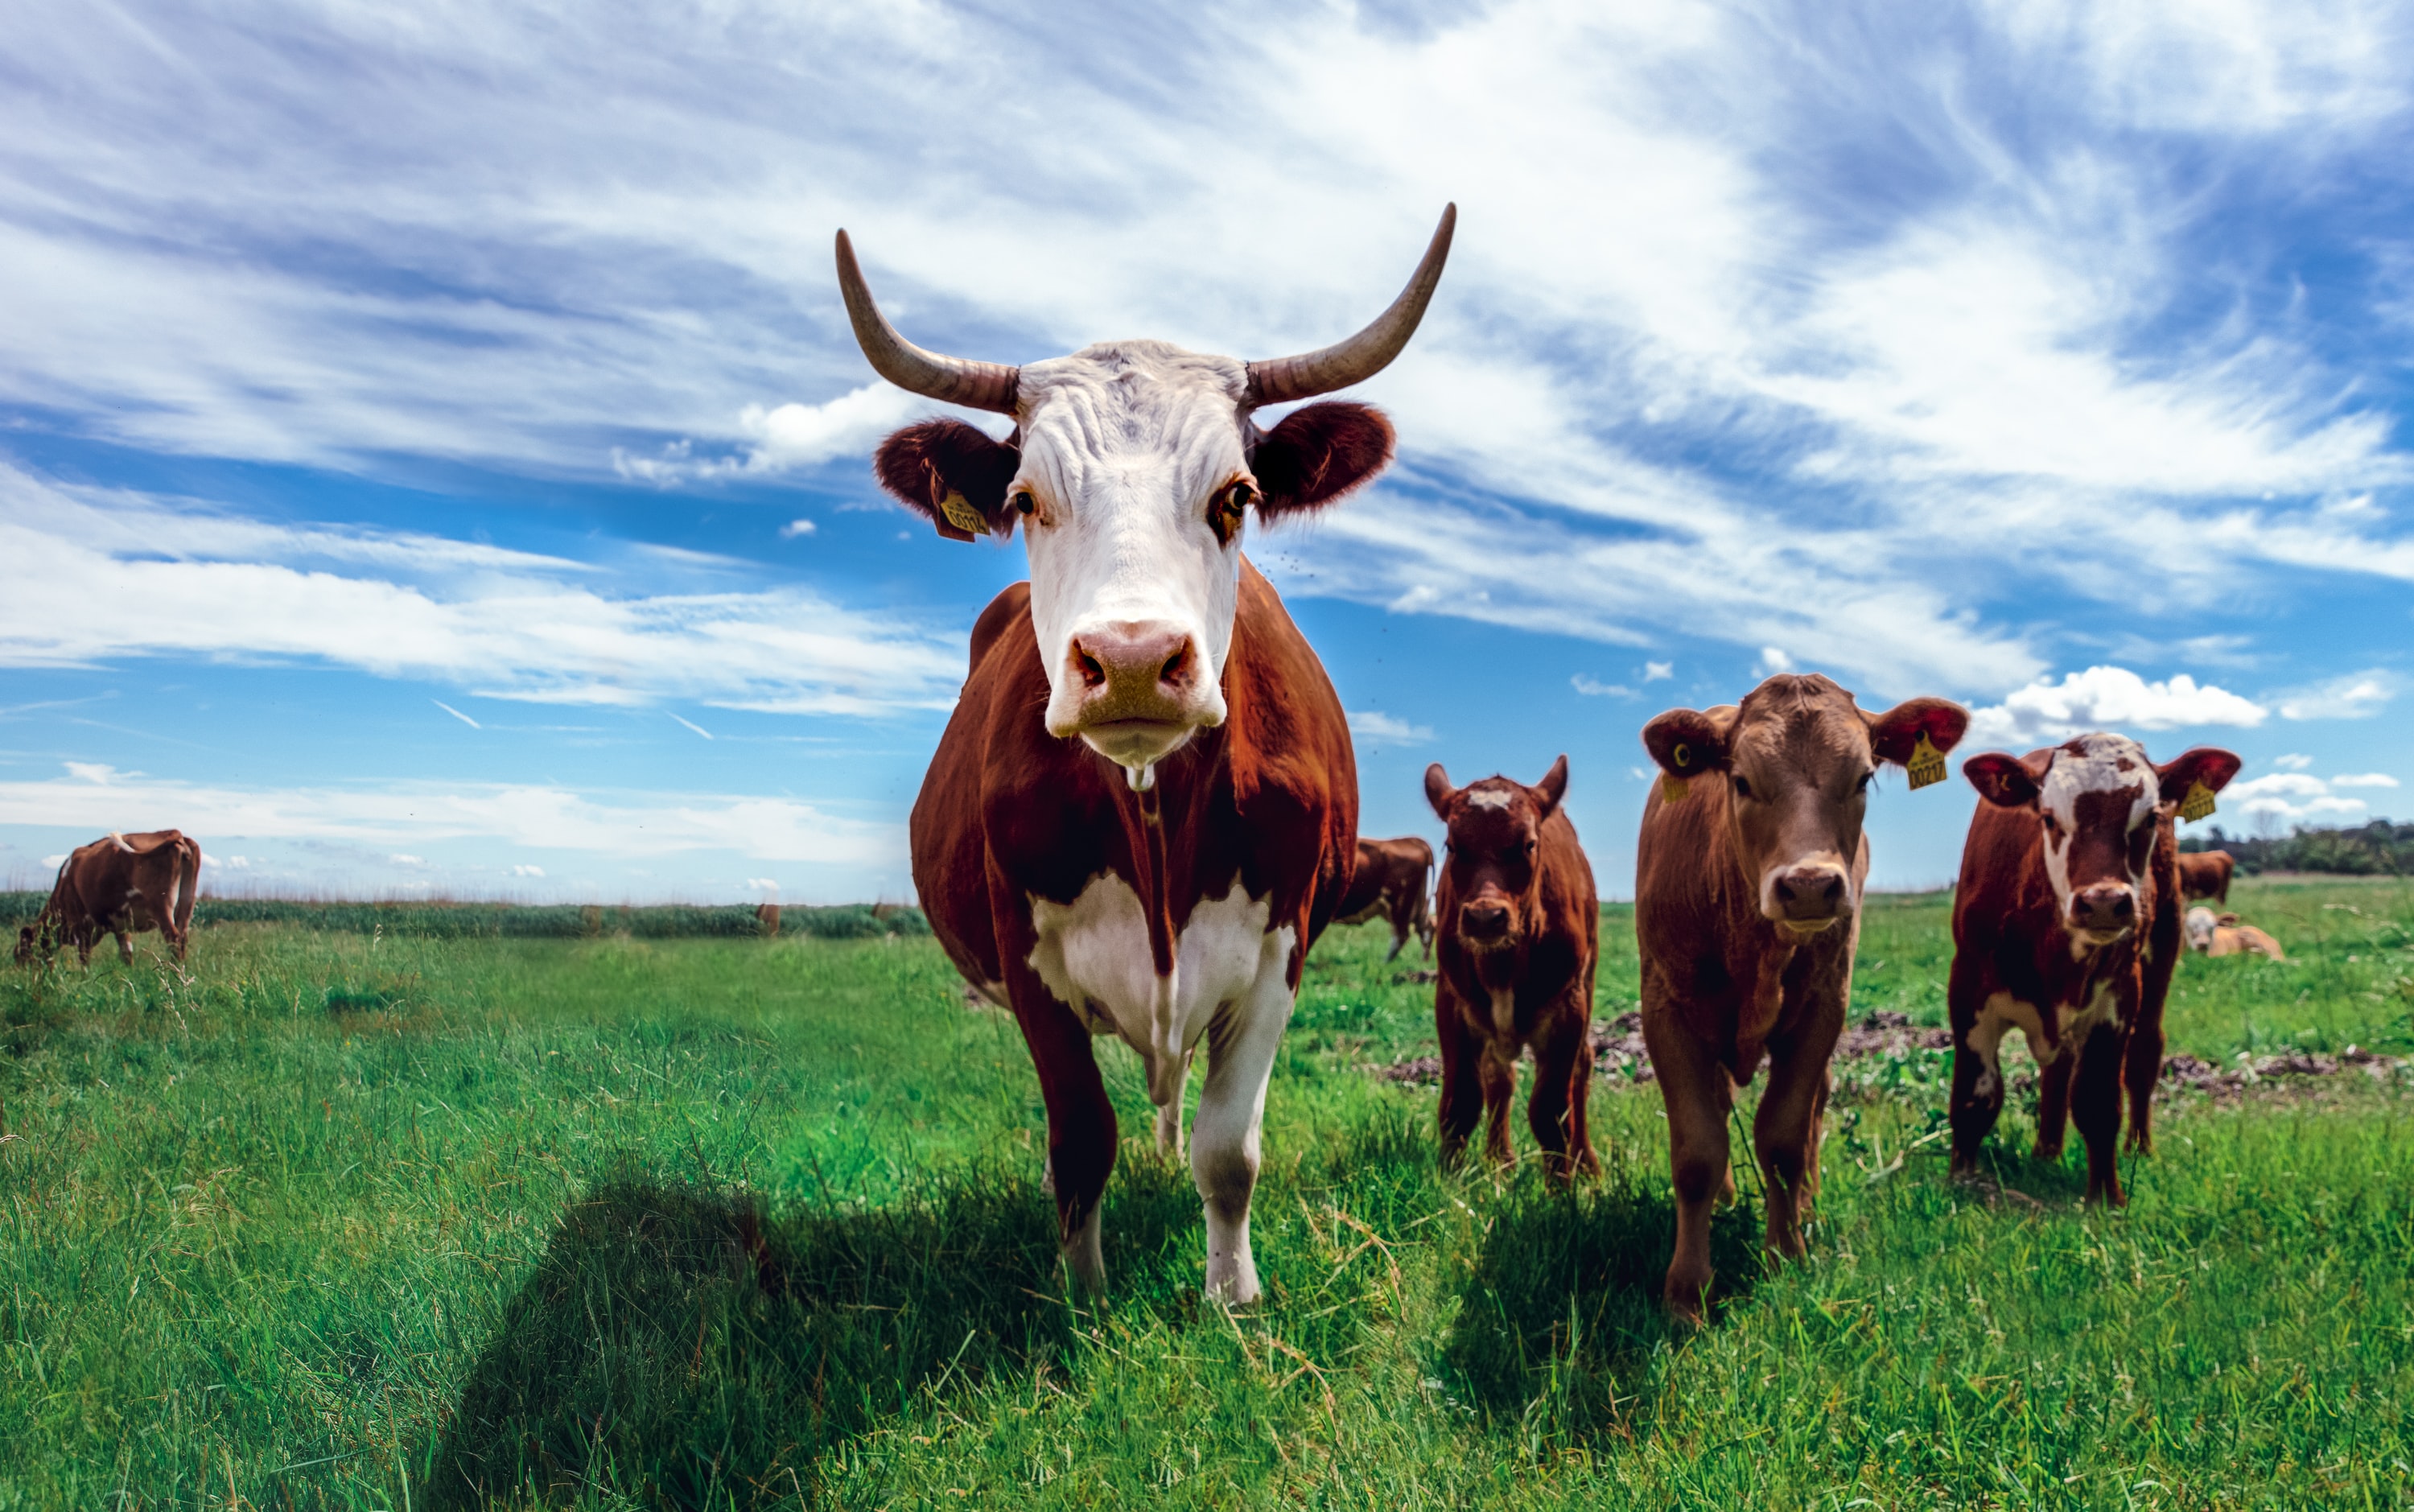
column 1487, row 923
column 1134, row 691
column 2101, row 912
column 1805, row 899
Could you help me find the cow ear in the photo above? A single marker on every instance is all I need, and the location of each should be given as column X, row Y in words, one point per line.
column 2002, row 779
column 1688, row 743
column 1438, row 792
column 950, row 474
column 1317, row 454
column 2208, row 764
column 1553, row 787
column 1894, row 734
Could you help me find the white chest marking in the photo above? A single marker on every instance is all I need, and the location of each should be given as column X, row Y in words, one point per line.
column 2002, row 1015
column 1504, row 1016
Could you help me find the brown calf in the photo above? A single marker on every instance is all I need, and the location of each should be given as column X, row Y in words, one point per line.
column 1747, row 909
column 2066, row 925
column 2205, row 874
column 1519, row 927
column 1392, row 880
column 119, row 885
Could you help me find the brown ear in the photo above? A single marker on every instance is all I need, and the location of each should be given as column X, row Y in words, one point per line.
column 1551, row 789
column 1438, row 792
column 2208, row 764
column 1688, row 743
column 1894, row 734
column 2003, row 780
column 1317, row 454
column 950, row 474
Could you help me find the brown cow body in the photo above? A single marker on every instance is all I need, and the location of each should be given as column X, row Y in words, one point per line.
column 2205, row 874
column 1519, row 926
column 2066, row 925
column 120, row 885
column 1391, row 881
column 1746, row 912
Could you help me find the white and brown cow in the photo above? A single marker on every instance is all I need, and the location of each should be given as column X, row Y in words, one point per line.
column 1746, row 911
column 1144, row 808
column 2067, row 926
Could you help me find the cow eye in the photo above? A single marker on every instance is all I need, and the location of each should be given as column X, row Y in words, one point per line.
column 1743, row 788
column 1863, row 786
column 1236, row 499
column 1023, row 502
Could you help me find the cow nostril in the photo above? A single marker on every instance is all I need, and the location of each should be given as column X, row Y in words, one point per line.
column 1174, row 665
column 1094, row 673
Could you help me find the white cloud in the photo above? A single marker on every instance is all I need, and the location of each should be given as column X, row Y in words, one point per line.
column 1772, row 660
column 1374, row 725
column 796, row 528
column 457, row 714
column 2107, row 698
column 1657, row 671
column 2292, row 762
column 1592, row 687
column 400, row 859
column 2356, row 695
column 784, row 437
column 692, row 725
column 2364, row 779
column 54, row 862
column 763, row 884
column 528, row 871
column 2292, row 796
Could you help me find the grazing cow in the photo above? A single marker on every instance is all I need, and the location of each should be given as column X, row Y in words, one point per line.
column 1747, row 909
column 1519, row 927
column 766, row 920
column 121, row 884
column 2209, row 933
column 2205, row 874
column 1392, row 879
column 1145, row 807
column 2066, row 925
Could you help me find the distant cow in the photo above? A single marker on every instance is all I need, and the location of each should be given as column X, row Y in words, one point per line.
column 2205, row 874
column 1520, row 928
column 766, row 920
column 119, row 885
column 2211, row 933
column 2067, row 926
column 1392, row 879
column 1747, row 910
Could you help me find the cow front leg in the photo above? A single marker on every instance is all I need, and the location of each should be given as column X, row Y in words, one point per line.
column 1461, row 1082
column 2053, row 1101
column 1168, row 1114
column 1500, row 1075
column 1241, row 1039
column 1081, row 1121
column 1784, row 1138
column 1696, row 1091
column 1977, row 1102
column 125, row 947
column 1555, row 1109
column 2095, row 1108
column 2141, row 1069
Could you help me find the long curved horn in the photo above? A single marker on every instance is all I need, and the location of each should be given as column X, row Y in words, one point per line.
column 976, row 385
column 1368, row 352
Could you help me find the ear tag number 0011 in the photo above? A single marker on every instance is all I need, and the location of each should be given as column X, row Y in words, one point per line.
column 1927, row 763
column 2198, row 803
column 1673, row 789
column 961, row 514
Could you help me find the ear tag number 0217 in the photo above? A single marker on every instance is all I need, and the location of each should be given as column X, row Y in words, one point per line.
column 1673, row 789
column 2198, row 803
column 1927, row 763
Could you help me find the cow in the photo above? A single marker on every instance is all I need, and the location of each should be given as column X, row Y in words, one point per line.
column 1393, row 879
column 1748, row 884
column 2211, row 933
column 1143, row 810
column 1519, row 926
column 766, row 920
column 2066, row 925
column 2205, row 874
column 121, row 884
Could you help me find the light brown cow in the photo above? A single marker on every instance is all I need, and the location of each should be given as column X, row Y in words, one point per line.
column 1393, row 877
column 1747, row 909
column 1520, row 924
column 766, row 920
column 2205, row 874
column 121, row 884
column 2211, row 933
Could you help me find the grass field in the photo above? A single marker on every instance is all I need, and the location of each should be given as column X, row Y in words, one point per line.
column 352, row 1220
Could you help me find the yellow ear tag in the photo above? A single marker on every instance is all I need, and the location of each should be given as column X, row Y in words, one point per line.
column 2198, row 803
column 1673, row 789
column 1927, row 763
column 961, row 514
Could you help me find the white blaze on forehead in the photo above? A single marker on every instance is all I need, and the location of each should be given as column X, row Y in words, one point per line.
column 1125, row 442
column 1490, row 798
column 2100, row 764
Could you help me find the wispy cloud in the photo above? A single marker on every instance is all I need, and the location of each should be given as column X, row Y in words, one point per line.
column 457, row 714
column 2356, row 695
column 1373, row 725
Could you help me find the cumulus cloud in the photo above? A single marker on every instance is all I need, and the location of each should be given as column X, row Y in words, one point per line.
column 1374, row 726
column 784, row 437
column 528, row 871
column 1657, row 671
column 2364, row 779
column 2290, row 796
column 2292, row 762
column 2107, row 698
column 796, row 528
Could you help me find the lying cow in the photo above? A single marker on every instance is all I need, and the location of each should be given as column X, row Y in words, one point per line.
column 1392, row 879
column 1519, row 927
column 119, row 885
column 2211, row 933
column 1144, row 808
column 1747, row 909
column 2205, row 874
column 2067, row 926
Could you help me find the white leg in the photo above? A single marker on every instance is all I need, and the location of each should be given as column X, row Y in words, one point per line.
column 1084, row 1258
column 1168, row 1114
column 1241, row 1044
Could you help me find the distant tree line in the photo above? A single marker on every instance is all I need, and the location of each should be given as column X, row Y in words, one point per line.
column 2379, row 849
column 453, row 921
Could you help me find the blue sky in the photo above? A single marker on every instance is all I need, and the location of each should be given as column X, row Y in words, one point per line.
column 433, row 458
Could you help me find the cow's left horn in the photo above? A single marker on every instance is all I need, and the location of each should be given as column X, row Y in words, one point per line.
column 1368, row 352
column 976, row 385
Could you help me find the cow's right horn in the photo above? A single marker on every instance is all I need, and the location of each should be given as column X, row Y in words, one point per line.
column 976, row 385
column 1368, row 352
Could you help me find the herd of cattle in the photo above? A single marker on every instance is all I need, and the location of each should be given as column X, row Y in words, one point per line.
column 1144, row 811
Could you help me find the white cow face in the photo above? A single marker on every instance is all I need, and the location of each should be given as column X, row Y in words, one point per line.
column 1132, row 475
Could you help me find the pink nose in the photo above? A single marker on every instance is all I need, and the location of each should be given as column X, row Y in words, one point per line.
column 1809, row 894
column 1136, row 670
column 2104, row 909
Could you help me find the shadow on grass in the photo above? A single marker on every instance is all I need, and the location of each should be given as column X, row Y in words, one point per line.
column 674, row 1347
column 1560, row 1314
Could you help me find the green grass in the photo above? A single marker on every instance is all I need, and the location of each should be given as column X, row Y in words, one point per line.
column 359, row 1220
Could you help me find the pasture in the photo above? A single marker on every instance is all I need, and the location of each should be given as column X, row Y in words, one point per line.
column 340, row 1219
